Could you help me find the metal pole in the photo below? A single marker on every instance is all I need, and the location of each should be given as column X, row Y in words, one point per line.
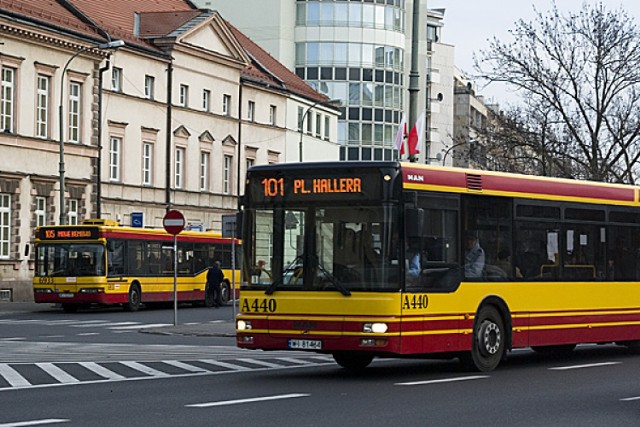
column 167, row 190
column 99, row 161
column 414, row 76
column 175, row 280
column 233, row 270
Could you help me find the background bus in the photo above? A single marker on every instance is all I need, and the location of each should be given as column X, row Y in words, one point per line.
column 100, row 262
column 377, row 259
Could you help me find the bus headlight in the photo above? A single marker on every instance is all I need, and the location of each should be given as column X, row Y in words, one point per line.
column 243, row 325
column 375, row 328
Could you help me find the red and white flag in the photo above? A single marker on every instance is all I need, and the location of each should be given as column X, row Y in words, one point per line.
column 401, row 135
column 416, row 136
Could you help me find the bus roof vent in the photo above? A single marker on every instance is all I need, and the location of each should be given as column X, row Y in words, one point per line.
column 99, row 221
column 474, row 182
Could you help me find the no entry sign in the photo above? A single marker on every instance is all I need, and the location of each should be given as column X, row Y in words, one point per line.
column 173, row 222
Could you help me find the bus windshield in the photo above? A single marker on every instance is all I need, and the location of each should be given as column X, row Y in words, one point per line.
column 339, row 249
column 70, row 259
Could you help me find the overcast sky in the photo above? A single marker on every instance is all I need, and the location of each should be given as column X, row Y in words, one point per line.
column 469, row 24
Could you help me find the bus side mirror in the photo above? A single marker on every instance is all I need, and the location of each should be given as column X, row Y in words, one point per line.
column 414, row 222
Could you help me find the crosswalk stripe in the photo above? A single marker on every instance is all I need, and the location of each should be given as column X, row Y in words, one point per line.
column 145, row 369
column 12, row 376
column 225, row 365
column 296, row 361
column 98, row 325
column 101, row 370
column 260, row 362
column 57, row 373
column 184, row 366
column 140, row 326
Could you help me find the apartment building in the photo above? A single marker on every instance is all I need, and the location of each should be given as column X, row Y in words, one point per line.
column 133, row 107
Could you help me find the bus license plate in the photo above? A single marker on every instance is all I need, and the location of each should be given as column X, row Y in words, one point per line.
column 65, row 295
column 306, row 344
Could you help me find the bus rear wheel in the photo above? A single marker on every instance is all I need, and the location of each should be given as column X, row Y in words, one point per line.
column 133, row 304
column 488, row 346
column 353, row 361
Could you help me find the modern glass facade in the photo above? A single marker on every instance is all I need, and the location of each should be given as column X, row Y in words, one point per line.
column 349, row 65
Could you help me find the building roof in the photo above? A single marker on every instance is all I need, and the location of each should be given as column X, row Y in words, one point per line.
column 47, row 12
column 267, row 70
column 139, row 22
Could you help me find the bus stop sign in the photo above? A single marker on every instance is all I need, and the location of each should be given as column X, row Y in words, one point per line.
column 173, row 222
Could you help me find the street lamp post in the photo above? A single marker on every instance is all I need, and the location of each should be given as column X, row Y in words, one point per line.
column 109, row 45
column 444, row 158
column 333, row 102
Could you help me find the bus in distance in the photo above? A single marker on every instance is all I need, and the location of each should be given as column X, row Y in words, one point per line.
column 100, row 262
column 388, row 259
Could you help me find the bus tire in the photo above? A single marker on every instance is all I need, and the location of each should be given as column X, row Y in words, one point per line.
column 488, row 345
column 133, row 304
column 353, row 361
column 225, row 292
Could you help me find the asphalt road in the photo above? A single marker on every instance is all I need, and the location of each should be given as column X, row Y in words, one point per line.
column 94, row 375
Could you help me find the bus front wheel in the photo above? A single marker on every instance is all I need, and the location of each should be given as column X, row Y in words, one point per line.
column 352, row 360
column 488, row 346
column 225, row 291
column 133, row 304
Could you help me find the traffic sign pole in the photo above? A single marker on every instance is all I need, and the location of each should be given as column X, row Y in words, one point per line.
column 173, row 222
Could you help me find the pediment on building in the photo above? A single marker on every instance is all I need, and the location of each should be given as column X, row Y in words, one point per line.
column 206, row 136
column 181, row 132
column 229, row 140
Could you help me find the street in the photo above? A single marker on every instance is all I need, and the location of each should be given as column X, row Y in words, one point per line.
column 98, row 367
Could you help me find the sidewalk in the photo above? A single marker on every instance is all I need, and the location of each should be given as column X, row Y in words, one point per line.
column 218, row 328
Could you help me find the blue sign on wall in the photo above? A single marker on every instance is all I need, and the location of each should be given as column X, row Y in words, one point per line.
column 137, row 219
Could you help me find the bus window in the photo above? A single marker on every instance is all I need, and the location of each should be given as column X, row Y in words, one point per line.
column 116, row 257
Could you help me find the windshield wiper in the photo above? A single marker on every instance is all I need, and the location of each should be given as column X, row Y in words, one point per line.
column 339, row 286
column 272, row 287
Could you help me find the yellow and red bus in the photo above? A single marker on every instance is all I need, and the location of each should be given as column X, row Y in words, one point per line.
column 100, row 262
column 504, row 261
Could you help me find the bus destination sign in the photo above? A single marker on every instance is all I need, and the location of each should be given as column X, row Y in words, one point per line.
column 68, row 233
column 274, row 187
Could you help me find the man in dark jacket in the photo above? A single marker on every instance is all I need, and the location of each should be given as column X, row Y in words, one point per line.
column 215, row 276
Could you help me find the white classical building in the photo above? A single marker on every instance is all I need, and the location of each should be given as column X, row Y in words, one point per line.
column 173, row 118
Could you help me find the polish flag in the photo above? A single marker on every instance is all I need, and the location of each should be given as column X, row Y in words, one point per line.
column 401, row 135
column 416, row 136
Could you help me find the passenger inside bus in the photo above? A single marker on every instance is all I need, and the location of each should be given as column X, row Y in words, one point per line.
column 474, row 258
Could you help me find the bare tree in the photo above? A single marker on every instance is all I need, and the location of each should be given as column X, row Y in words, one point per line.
column 578, row 76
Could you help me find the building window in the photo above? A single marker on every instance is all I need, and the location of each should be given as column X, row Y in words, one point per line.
column 115, row 150
column 309, row 122
column 272, row 115
column 204, row 171
column 251, row 111
column 226, row 104
column 147, row 163
column 41, row 211
column 42, row 107
column 327, row 127
column 149, row 87
column 206, row 100
column 226, row 174
column 300, row 118
column 72, row 212
column 179, row 181
column 184, row 96
column 116, row 79
column 318, row 124
column 250, row 162
column 5, row 231
column 75, row 94
column 8, row 99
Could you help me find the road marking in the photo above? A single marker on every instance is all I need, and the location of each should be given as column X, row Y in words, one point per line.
column 139, row 326
column 629, row 399
column 590, row 365
column 295, row 361
column 101, row 324
column 57, row 373
column 446, row 380
column 226, row 365
column 260, row 362
column 101, row 370
column 12, row 376
column 36, row 422
column 87, row 334
column 249, row 400
column 14, row 339
column 185, row 366
column 145, row 369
